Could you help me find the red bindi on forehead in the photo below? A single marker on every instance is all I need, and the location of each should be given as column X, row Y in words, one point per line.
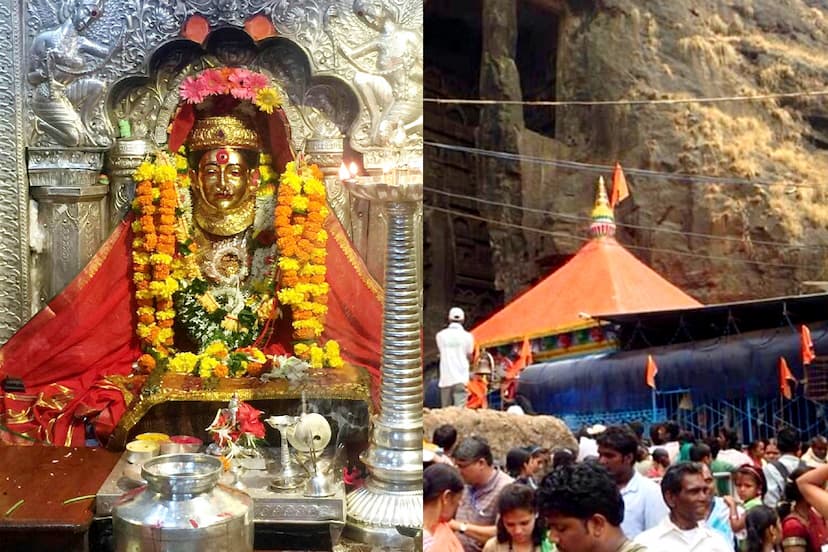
column 222, row 157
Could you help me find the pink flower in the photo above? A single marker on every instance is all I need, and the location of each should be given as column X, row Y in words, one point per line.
column 215, row 82
column 192, row 90
column 242, row 92
column 240, row 84
column 239, row 76
column 255, row 81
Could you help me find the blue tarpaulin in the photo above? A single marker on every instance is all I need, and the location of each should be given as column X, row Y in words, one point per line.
column 717, row 369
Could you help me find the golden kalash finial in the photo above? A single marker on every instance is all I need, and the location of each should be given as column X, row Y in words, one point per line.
column 603, row 219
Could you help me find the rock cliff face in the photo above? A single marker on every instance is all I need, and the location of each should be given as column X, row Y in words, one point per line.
column 761, row 233
column 764, row 233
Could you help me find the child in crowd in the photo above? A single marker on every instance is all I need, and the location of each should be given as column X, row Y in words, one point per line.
column 764, row 530
column 749, row 483
column 519, row 529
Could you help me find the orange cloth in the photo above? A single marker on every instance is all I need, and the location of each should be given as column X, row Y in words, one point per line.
column 785, row 375
column 441, row 539
column 477, row 388
column 806, row 345
column 620, row 190
column 650, row 372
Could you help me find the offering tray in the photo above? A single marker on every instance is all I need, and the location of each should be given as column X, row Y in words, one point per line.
column 269, row 507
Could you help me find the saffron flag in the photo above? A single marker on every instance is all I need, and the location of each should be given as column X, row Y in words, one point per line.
column 785, row 375
column 806, row 345
column 523, row 360
column 650, row 372
column 620, row 190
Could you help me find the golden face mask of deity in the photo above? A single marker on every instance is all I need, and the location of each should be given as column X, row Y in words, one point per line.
column 222, row 179
column 223, row 196
column 223, row 182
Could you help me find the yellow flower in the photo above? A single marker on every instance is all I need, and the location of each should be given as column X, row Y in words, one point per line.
column 294, row 181
column 321, row 236
column 300, row 348
column 332, row 348
column 145, row 171
column 143, row 331
column 288, row 263
column 165, row 173
column 183, row 363
column 206, row 366
column 298, row 229
column 267, row 99
column 136, row 226
column 168, row 314
column 145, row 310
column 299, row 204
column 216, row 349
column 314, row 187
column 160, row 258
column 265, row 173
column 181, row 163
column 317, row 356
column 290, row 296
column 230, row 324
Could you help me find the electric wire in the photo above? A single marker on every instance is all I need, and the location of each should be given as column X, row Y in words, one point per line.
column 596, row 168
column 581, row 218
column 661, row 101
column 584, row 239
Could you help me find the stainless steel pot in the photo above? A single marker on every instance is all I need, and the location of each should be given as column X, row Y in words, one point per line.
column 183, row 509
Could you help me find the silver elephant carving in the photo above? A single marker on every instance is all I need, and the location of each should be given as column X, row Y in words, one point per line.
column 65, row 95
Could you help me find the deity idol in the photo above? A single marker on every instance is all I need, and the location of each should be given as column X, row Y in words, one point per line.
column 222, row 255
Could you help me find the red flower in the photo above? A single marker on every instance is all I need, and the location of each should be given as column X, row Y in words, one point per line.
column 248, row 420
column 274, row 349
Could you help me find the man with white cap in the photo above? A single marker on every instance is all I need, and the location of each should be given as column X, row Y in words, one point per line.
column 456, row 347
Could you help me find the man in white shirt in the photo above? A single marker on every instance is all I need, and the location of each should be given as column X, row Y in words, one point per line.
column 816, row 453
column 456, row 347
column 730, row 450
column 777, row 472
column 643, row 504
column 688, row 496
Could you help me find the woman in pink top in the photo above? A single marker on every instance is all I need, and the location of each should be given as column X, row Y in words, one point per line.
column 442, row 490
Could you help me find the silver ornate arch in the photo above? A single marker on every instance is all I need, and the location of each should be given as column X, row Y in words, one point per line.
column 74, row 50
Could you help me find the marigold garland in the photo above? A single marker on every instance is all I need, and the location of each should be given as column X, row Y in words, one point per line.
column 165, row 264
column 300, row 212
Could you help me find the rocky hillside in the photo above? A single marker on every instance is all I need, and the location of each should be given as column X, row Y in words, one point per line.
column 770, row 233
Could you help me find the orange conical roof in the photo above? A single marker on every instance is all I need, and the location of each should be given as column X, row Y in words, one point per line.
column 602, row 278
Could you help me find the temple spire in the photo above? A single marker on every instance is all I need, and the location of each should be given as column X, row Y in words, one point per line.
column 603, row 219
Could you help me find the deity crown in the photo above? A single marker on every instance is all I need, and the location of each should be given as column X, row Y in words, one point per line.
column 226, row 130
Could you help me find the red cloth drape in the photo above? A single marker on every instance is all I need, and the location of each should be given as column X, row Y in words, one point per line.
column 65, row 353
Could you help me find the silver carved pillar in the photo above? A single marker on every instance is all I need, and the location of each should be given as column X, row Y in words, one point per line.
column 388, row 511
column 71, row 213
column 124, row 158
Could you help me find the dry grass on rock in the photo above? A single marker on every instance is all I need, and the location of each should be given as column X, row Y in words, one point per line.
column 503, row 431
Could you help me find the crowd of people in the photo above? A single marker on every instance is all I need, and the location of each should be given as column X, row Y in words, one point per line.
column 622, row 492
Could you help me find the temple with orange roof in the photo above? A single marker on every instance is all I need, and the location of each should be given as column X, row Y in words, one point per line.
column 603, row 277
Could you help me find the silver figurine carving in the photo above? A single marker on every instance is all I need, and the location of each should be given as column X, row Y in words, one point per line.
column 66, row 95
